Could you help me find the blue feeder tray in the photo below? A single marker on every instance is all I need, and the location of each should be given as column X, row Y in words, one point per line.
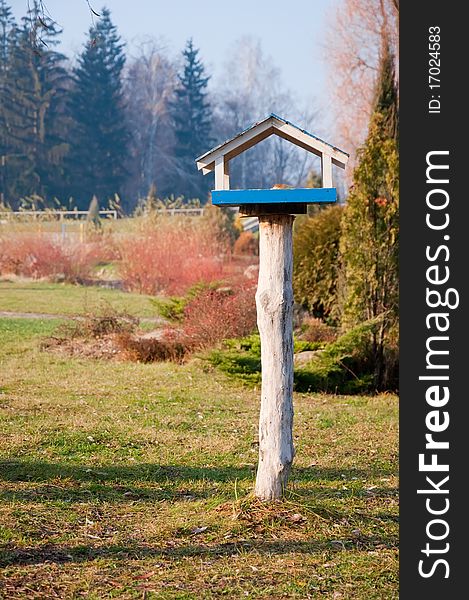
column 281, row 200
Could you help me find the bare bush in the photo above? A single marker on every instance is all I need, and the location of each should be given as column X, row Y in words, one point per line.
column 170, row 257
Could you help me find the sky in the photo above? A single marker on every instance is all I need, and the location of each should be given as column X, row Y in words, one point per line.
column 291, row 33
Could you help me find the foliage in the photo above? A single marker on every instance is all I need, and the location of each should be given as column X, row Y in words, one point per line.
column 191, row 114
column 97, row 325
column 99, row 138
column 343, row 366
column 222, row 221
column 369, row 243
column 170, row 255
column 151, row 206
column 64, row 131
column 354, row 40
column 38, row 256
column 214, row 315
column 172, row 308
column 33, row 120
column 316, row 265
column 247, row 244
column 315, row 330
column 169, row 347
column 207, row 315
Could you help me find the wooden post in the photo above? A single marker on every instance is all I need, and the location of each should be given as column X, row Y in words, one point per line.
column 274, row 300
column 274, row 297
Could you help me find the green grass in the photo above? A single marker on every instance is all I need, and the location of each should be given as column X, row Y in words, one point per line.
column 66, row 299
column 123, row 480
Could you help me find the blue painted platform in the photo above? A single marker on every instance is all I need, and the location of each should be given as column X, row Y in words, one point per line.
column 274, row 196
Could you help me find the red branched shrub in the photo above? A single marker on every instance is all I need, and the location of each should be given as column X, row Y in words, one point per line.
column 215, row 315
column 171, row 258
column 41, row 256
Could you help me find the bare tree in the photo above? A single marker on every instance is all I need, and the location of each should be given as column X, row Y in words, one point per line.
column 40, row 20
column 150, row 82
column 353, row 44
column 251, row 89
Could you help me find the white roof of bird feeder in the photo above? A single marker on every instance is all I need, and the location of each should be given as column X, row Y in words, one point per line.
column 218, row 158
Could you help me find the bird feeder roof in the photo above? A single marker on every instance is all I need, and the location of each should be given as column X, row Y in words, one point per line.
column 272, row 124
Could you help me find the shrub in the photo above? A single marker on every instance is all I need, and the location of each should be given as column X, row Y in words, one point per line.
column 222, row 223
column 217, row 314
column 316, row 266
column 139, row 349
column 343, row 366
column 171, row 257
column 39, row 256
column 315, row 330
column 173, row 308
column 370, row 227
column 202, row 319
column 100, row 325
column 246, row 245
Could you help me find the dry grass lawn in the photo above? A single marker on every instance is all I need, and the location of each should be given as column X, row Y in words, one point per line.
column 123, row 480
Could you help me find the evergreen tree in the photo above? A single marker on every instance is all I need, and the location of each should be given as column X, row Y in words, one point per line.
column 192, row 125
column 34, row 89
column 370, row 229
column 99, row 140
column 7, row 25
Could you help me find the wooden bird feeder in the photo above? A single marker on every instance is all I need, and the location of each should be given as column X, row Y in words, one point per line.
column 274, row 298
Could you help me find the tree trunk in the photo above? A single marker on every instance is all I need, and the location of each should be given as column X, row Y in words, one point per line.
column 274, row 299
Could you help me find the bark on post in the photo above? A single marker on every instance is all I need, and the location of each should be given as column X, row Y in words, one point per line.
column 274, row 300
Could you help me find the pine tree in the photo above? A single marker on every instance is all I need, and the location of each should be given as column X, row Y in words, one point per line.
column 370, row 229
column 192, row 124
column 34, row 109
column 7, row 25
column 99, row 139
column 19, row 111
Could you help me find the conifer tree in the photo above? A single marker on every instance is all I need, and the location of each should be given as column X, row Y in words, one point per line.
column 34, row 88
column 7, row 25
column 370, row 228
column 192, row 125
column 99, row 139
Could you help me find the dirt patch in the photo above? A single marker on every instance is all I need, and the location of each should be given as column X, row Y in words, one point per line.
column 104, row 347
column 112, row 338
column 110, row 335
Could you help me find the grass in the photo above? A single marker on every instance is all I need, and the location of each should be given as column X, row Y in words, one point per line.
column 66, row 299
column 123, row 480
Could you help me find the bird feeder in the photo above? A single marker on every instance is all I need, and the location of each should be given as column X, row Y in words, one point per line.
column 275, row 208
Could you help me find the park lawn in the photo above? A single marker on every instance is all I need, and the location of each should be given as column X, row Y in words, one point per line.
column 125, row 480
column 67, row 299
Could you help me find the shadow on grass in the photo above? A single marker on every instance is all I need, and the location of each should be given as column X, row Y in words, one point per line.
column 19, row 470
column 74, row 483
column 51, row 553
column 150, row 482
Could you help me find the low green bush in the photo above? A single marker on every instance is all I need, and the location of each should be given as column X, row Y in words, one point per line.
column 344, row 366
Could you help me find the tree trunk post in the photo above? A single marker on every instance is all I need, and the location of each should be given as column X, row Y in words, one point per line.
column 274, row 300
